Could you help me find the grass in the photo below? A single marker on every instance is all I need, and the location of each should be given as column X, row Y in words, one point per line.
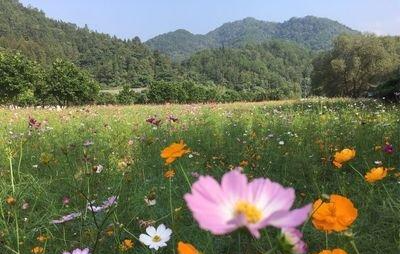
column 40, row 167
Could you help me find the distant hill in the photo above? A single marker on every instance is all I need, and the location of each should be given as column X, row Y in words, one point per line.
column 112, row 61
column 312, row 32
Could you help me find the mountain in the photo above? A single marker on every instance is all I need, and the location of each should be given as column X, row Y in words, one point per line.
column 312, row 32
column 110, row 60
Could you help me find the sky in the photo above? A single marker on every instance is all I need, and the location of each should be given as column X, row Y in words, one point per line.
column 148, row 18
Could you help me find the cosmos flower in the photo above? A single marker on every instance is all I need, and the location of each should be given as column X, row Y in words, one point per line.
column 37, row 250
column 67, row 218
column 388, row 148
column 78, row 251
column 235, row 203
column 292, row 240
column 174, row 151
column 33, row 123
column 376, row 174
column 173, row 118
column 156, row 238
column 336, row 215
column 154, row 121
column 186, row 248
column 106, row 204
column 334, row 251
column 343, row 156
column 126, row 245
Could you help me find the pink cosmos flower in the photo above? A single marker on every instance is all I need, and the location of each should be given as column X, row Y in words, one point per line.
column 78, row 251
column 235, row 203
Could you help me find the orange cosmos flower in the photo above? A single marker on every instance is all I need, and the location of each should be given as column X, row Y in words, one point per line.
column 126, row 245
column 186, row 248
column 343, row 156
column 174, row 151
column 169, row 174
column 336, row 215
column 376, row 174
column 335, row 251
column 37, row 250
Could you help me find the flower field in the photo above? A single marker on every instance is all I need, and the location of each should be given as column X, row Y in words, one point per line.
column 310, row 176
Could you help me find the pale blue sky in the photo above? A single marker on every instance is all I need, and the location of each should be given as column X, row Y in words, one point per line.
column 148, row 18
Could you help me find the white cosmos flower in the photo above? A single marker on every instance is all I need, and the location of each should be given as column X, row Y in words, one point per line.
column 156, row 238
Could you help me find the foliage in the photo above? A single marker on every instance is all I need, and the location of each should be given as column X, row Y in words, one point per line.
column 356, row 65
column 280, row 67
column 69, row 85
column 312, row 32
column 126, row 96
column 19, row 78
column 111, row 61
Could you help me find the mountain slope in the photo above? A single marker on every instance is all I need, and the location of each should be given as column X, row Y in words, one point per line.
column 313, row 32
column 109, row 59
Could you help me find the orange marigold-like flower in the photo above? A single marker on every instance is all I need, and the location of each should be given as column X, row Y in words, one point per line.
column 126, row 245
column 343, row 156
column 169, row 174
column 376, row 174
column 336, row 215
column 174, row 151
column 37, row 250
column 186, row 248
column 334, row 251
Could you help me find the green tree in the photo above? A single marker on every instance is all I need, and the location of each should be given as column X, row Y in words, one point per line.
column 355, row 66
column 68, row 85
column 18, row 78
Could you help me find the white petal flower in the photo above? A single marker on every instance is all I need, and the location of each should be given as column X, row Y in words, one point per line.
column 156, row 238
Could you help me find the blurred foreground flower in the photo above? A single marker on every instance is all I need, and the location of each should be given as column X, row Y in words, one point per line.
column 235, row 203
column 156, row 238
column 174, row 151
column 336, row 215
column 343, row 156
column 106, row 204
column 67, row 218
column 376, row 174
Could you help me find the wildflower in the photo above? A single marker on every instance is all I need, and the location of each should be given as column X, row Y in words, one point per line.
column 66, row 200
column 150, row 200
column 376, row 174
column 156, row 238
column 78, row 251
column 25, row 206
column 281, row 143
column 33, row 123
column 126, row 245
column 42, row 238
column 336, row 215
column 88, row 143
column 292, row 241
column 106, row 204
column 67, row 218
column 37, row 250
column 11, row 200
column 98, row 169
column 235, row 203
column 153, row 120
column 335, row 251
column 174, row 151
column 186, row 248
column 388, row 148
column 173, row 118
column 169, row 174
column 343, row 156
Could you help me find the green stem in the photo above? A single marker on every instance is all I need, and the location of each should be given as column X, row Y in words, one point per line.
column 12, row 174
column 186, row 176
column 326, row 240
column 354, row 246
column 172, row 212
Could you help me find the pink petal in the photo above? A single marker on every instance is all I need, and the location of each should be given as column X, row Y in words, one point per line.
column 288, row 219
column 234, row 185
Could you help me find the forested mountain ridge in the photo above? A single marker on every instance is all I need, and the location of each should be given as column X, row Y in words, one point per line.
column 110, row 60
column 312, row 32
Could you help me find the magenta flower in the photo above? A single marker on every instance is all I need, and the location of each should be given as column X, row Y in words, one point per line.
column 292, row 237
column 235, row 203
column 388, row 148
column 78, row 251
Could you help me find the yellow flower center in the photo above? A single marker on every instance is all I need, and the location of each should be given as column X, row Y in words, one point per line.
column 156, row 238
column 249, row 211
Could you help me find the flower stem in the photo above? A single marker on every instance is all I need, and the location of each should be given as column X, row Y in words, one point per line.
column 186, row 176
column 354, row 246
column 172, row 212
column 326, row 240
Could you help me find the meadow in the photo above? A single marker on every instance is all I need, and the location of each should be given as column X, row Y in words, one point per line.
column 101, row 166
